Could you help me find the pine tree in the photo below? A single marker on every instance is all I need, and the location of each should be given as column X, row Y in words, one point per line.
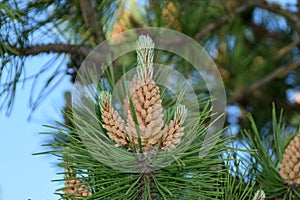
column 112, row 154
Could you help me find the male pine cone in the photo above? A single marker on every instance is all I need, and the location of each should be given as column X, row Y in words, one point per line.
column 290, row 165
column 144, row 126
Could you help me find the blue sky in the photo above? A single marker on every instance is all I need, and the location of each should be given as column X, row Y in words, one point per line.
column 22, row 175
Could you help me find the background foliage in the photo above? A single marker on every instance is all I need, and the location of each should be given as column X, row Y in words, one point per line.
column 254, row 44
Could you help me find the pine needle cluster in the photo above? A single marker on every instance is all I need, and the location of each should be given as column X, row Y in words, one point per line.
column 142, row 153
column 273, row 161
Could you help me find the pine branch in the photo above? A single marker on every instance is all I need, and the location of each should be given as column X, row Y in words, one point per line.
column 278, row 73
column 225, row 18
column 91, row 21
column 246, row 5
column 267, row 157
column 121, row 173
column 287, row 48
column 51, row 48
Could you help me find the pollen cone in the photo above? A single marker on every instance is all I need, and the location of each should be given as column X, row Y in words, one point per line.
column 112, row 121
column 290, row 165
column 144, row 109
column 173, row 133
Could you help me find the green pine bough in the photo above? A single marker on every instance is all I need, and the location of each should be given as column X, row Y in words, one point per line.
column 141, row 153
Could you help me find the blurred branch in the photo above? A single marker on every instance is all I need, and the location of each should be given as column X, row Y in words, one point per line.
column 246, row 5
column 287, row 48
column 52, row 48
column 278, row 73
column 91, row 21
column 222, row 20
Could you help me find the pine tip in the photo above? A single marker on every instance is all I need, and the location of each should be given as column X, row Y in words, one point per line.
column 144, row 42
column 180, row 113
column 144, row 49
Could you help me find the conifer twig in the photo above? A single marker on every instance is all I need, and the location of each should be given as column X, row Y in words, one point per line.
column 277, row 73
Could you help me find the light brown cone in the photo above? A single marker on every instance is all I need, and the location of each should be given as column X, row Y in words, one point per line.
column 74, row 187
column 145, row 97
column 148, row 110
column 173, row 133
column 143, row 108
column 112, row 121
column 290, row 165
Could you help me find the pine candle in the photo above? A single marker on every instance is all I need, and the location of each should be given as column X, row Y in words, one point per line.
column 147, row 109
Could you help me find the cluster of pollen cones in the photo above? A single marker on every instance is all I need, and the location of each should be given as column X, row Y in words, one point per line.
column 290, row 165
column 144, row 127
